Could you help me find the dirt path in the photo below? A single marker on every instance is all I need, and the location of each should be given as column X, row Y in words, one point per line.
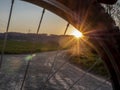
column 14, row 66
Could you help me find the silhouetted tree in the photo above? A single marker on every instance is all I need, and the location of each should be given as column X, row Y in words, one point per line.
column 114, row 12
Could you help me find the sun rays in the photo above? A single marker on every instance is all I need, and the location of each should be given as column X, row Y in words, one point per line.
column 80, row 44
column 77, row 34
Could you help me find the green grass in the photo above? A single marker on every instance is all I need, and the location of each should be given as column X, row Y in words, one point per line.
column 21, row 47
column 86, row 62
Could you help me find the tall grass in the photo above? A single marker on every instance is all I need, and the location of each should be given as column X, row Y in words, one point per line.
column 85, row 63
column 21, row 47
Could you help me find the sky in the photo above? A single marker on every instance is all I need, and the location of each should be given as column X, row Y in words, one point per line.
column 25, row 18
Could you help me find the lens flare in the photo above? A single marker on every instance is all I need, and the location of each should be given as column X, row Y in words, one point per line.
column 77, row 34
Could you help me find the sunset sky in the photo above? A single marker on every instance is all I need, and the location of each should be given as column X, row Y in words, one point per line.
column 26, row 16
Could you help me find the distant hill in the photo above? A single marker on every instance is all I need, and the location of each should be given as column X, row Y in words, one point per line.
column 43, row 38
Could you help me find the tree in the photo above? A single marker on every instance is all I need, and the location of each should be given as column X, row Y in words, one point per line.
column 114, row 12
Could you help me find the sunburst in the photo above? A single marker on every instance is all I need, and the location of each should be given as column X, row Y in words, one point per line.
column 77, row 34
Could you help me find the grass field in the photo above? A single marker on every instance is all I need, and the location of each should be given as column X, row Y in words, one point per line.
column 86, row 62
column 21, row 47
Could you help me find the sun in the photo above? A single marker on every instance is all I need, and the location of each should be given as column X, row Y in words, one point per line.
column 77, row 34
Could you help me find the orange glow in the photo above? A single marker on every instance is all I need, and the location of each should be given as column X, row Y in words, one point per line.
column 77, row 34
